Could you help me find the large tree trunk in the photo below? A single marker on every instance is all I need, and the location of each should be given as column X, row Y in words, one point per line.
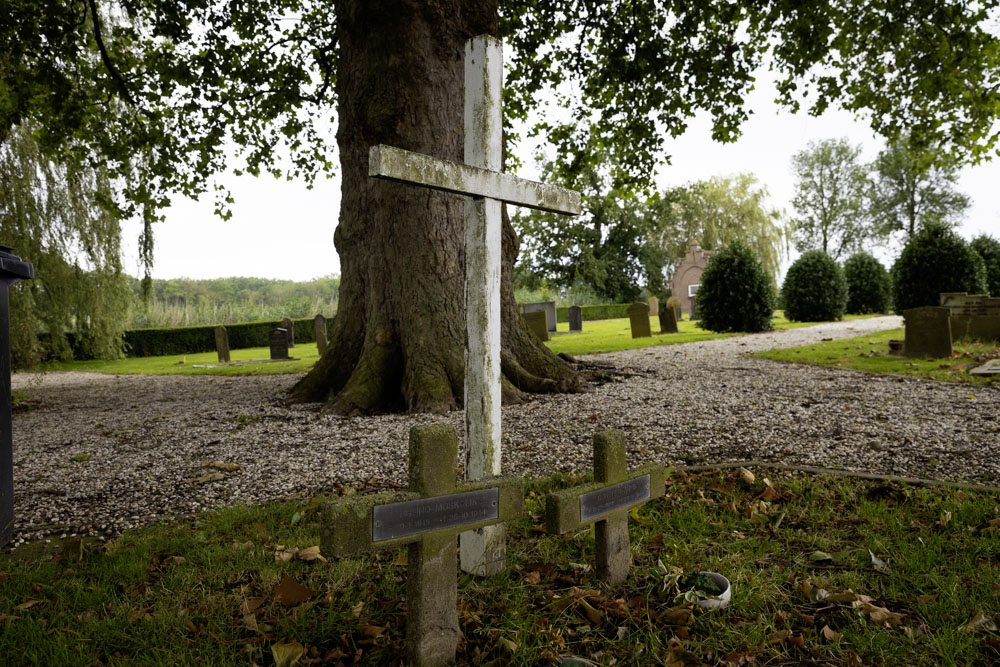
column 399, row 336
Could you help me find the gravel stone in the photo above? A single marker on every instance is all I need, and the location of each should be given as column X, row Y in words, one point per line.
column 156, row 442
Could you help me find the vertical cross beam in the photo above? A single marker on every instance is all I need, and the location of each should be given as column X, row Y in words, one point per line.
column 483, row 552
column 606, row 503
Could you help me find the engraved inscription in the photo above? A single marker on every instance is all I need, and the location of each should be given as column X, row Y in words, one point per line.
column 614, row 497
column 428, row 514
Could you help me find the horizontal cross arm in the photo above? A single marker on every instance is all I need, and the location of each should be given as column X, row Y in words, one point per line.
column 563, row 511
column 396, row 164
column 349, row 524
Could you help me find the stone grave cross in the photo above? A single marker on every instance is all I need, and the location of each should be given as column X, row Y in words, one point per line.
column 427, row 519
column 488, row 187
column 606, row 503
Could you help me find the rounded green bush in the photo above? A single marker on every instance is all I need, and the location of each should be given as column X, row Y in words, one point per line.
column 868, row 287
column 815, row 289
column 989, row 249
column 935, row 260
column 736, row 293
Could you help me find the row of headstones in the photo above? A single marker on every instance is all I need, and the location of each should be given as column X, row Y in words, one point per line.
column 280, row 339
column 930, row 329
column 541, row 318
column 429, row 518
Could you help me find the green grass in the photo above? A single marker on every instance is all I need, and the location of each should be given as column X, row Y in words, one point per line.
column 171, row 364
column 614, row 335
column 870, row 353
column 597, row 336
column 202, row 591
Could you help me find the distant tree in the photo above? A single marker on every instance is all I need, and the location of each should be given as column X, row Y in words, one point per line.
column 608, row 248
column 61, row 219
column 716, row 213
column 868, row 287
column 830, row 206
column 989, row 249
column 914, row 187
column 736, row 294
column 935, row 260
column 815, row 289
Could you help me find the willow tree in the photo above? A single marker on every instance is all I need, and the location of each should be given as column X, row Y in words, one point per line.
column 192, row 75
column 717, row 212
column 60, row 218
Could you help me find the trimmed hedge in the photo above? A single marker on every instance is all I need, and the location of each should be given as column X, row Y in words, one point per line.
column 815, row 289
column 608, row 311
column 736, row 293
column 936, row 259
column 191, row 340
column 868, row 286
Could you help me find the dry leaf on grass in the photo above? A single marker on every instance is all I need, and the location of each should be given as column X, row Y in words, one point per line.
column 249, row 605
column 831, row 634
column 310, row 554
column 747, row 476
column 286, row 655
column 881, row 615
column 778, row 637
column 27, row 604
column 980, row 622
column 290, row 593
column 533, row 578
column 926, row 599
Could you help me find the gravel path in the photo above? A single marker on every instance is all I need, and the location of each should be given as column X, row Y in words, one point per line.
column 148, row 437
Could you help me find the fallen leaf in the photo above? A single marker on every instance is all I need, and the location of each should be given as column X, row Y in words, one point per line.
column 882, row 615
column 250, row 622
column 372, row 631
column 770, row 494
column 879, row 564
column 28, row 604
column 209, row 477
column 309, row 554
column 290, row 593
column 979, row 622
column 356, row 609
column 852, row 659
column 221, row 465
column 509, row 644
column 820, row 556
column 286, row 655
column 778, row 637
column 249, row 605
column 681, row 657
column 737, row 659
column 842, row 597
column 995, row 523
column 678, row 616
column 747, row 476
column 926, row 599
column 283, row 555
column 831, row 634
column 533, row 578
column 4, row 618
column 402, row 559
column 945, row 518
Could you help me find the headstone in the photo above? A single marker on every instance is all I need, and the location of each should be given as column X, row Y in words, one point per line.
column 606, row 503
column 973, row 315
column 547, row 307
column 319, row 326
column 12, row 271
column 537, row 324
column 991, row 367
column 278, row 339
column 654, row 306
column 487, row 187
column 288, row 325
column 928, row 332
column 668, row 323
column 575, row 318
column 694, row 310
column 638, row 315
column 222, row 344
column 427, row 519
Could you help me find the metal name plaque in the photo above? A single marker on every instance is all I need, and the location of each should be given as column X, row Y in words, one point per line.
column 614, row 497
column 428, row 514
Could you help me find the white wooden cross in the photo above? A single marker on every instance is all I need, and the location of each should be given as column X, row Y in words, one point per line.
column 482, row 552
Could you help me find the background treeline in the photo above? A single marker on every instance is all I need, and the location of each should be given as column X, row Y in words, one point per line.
column 186, row 302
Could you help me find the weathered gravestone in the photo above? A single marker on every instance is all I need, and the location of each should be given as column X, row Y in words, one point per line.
column 12, row 271
column 319, row 326
column 547, row 307
column 991, row 367
column 606, row 503
column 668, row 321
column 487, row 187
column 222, row 344
column 575, row 318
column 289, row 326
column 428, row 520
column 654, row 306
column 537, row 324
column 638, row 316
column 278, row 340
column 928, row 332
column 973, row 315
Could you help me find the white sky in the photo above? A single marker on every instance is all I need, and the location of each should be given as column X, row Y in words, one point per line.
column 282, row 230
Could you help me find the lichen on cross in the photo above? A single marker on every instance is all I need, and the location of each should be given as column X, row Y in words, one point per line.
column 481, row 179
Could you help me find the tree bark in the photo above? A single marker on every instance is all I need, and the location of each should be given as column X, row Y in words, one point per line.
column 398, row 340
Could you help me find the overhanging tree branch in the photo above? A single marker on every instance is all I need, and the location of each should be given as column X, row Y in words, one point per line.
column 106, row 59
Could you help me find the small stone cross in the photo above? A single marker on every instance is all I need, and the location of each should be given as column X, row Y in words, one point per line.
column 428, row 520
column 606, row 503
column 481, row 179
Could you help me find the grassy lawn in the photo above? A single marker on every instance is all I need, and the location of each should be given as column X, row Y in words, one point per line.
column 613, row 335
column 800, row 553
column 871, row 353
